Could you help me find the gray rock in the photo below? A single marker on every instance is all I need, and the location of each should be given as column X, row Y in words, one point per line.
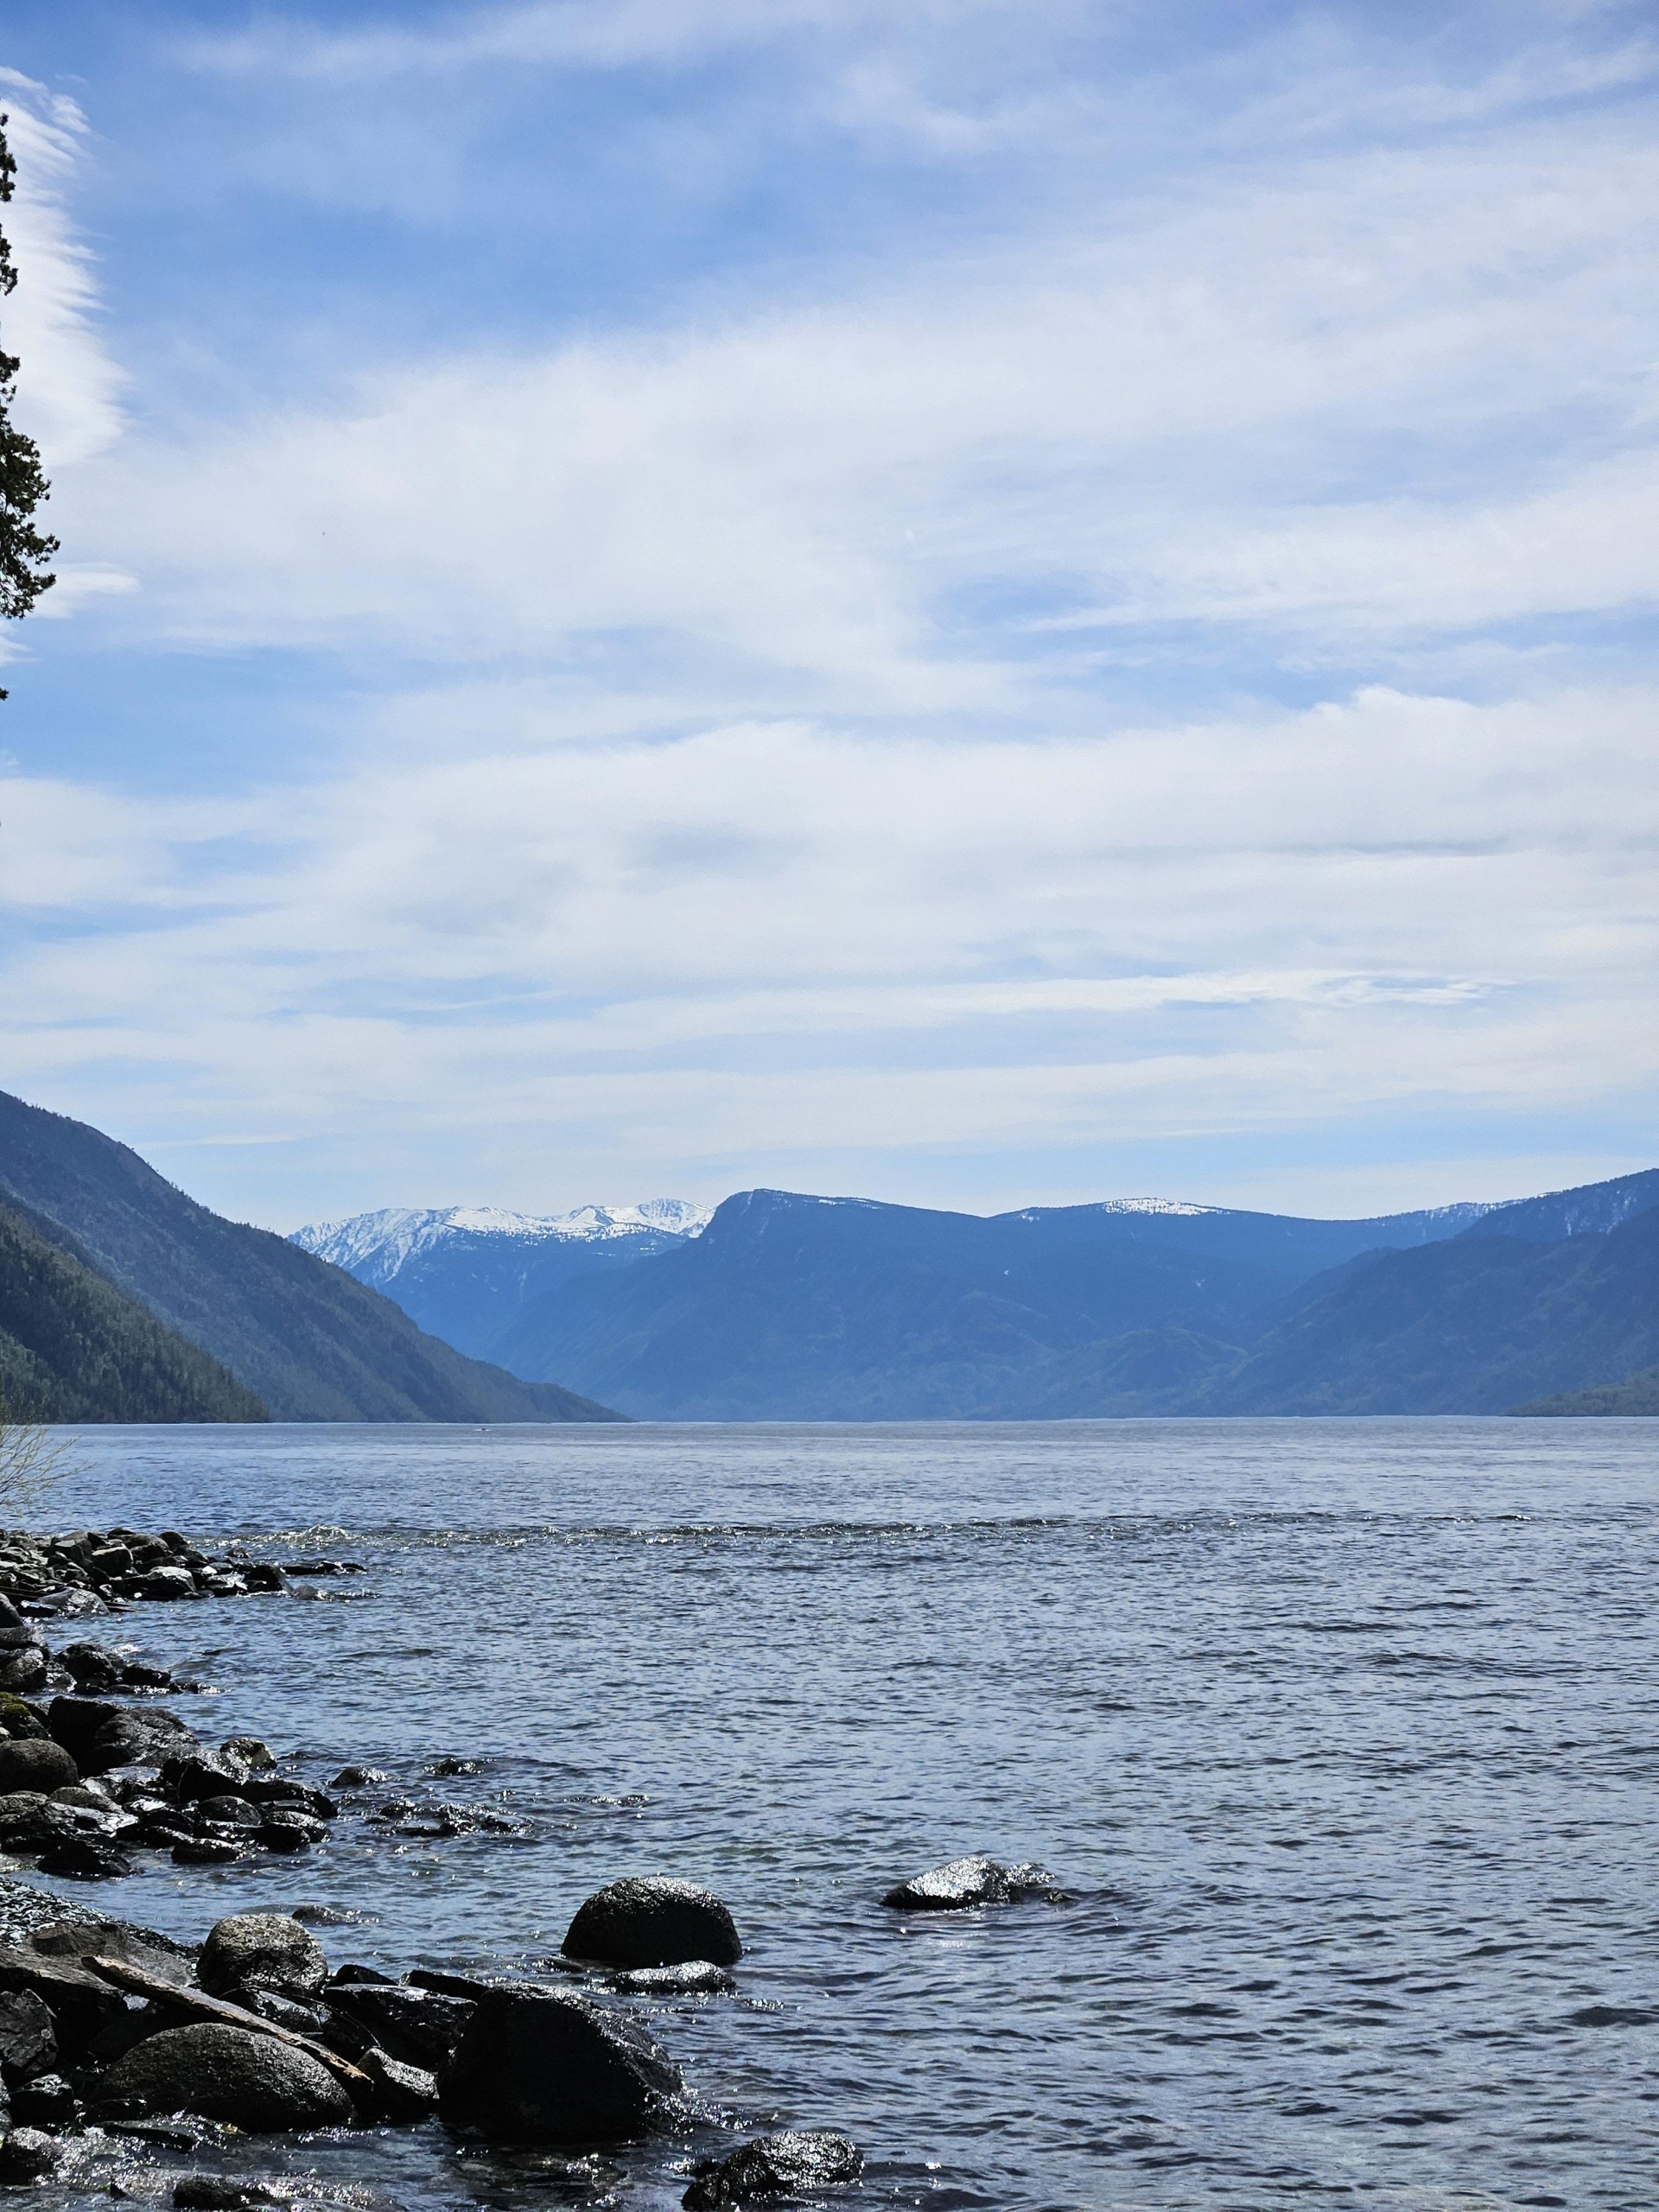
column 22, row 1671
column 252, row 1752
column 35, row 1765
column 228, row 2074
column 262, row 1950
column 28, row 2041
column 967, row 1882
column 138, row 1735
column 20, row 1813
column 27, row 2153
column 545, row 2066
column 793, row 2163
column 653, row 1921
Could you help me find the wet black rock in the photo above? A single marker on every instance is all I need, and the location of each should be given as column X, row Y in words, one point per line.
column 229, row 1812
column 228, row 2074
column 262, row 1950
column 35, row 1765
column 253, row 1751
column 653, row 1921
column 201, row 1773
column 291, row 1832
column 208, row 1851
column 54, row 1963
column 28, row 2041
column 966, row 1882
column 696, row 1978
column 281, row 1790
column 85, row 1858
column 402, row 2091
column 793, row 2163
column 357, row 1777
column 545, row 2066
column 47, row 2101
column 27, row 2153
column 416, row 2025
column 286, row 2011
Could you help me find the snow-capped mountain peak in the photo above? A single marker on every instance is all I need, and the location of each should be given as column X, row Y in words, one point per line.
column 376, row 1247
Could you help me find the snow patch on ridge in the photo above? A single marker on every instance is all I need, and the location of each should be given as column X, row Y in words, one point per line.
column 376, row 1247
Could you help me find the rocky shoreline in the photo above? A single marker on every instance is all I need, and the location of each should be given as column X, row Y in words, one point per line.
column 115, row 2040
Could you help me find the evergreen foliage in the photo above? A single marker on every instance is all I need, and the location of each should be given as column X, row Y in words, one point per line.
column 24, row 550
column 313, row 1342
column 74, row 1347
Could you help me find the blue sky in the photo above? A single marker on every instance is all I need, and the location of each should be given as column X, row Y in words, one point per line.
column 977, row 604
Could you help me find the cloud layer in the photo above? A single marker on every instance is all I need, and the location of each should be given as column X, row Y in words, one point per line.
column 1150, row 684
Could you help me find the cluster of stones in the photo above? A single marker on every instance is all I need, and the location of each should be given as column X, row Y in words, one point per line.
column 107, row 2025
column 84, row 1780
column 92, row 1570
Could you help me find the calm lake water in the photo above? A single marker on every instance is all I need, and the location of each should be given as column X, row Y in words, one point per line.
column 1342, row 1737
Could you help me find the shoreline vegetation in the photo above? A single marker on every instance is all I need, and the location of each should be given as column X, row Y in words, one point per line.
column 121, row 2047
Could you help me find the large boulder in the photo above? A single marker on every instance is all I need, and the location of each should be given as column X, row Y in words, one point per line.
column 652, row 1921
column 262, row 1950
column 227, row 2073
column 793, row 2163
column 38, row 1764
column 133, row 1737
column 966, row 1882
column 537, row 2065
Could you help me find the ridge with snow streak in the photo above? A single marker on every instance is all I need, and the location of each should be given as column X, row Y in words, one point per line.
column 465, row 1273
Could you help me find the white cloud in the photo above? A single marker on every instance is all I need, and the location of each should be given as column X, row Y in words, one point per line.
column 767, row 942
column 1157, row 409
column 69, row 390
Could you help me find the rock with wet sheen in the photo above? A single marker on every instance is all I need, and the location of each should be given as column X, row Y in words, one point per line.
column 653, row 1921
column 793, row 2163
column 227, row 2073
column 539, row 2065
column 262, row 1950
column 966, row 1882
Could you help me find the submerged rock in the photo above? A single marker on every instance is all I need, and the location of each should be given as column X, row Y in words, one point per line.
column 793, row 2163
column 965, row 1882
column 225, row 2073
column 653, row 1921
column 696, row 1978
column 262, row 1950
column 545, row 2066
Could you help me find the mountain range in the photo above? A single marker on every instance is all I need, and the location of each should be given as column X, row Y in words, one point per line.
column 791, row 1307
column 471, row 1274
column 101, row 1249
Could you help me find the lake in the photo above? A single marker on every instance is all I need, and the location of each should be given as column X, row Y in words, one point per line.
column 1341, row 1737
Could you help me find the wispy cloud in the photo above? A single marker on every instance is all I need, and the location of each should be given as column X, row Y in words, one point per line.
column 1098, row 619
